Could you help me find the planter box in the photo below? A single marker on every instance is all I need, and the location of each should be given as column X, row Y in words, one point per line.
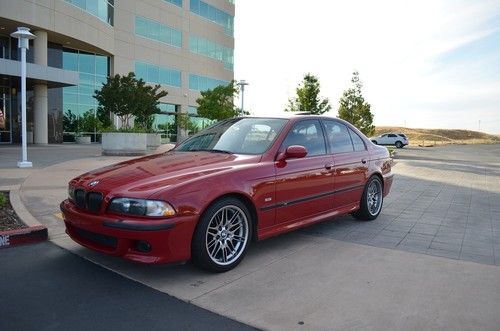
column 153, row 140
column 82, row 140
column 124, row 143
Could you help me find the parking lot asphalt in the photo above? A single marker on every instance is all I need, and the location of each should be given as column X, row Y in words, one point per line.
column 430, row 261
column 44, row 287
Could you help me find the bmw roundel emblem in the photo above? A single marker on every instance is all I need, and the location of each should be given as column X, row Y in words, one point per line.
column 94, row 183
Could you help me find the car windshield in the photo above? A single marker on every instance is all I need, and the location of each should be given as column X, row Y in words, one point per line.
column 236, row 136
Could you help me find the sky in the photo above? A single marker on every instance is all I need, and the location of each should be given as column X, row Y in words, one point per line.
column 423, row 64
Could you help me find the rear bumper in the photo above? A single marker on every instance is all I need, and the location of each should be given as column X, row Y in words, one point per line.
column 388, row 183
column 169, row 240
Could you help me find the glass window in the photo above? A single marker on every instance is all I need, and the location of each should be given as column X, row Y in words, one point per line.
column 102, row 9
column 308, row 134
column 214, row 15
column 202, row 83
column 358, row 143
column 338, row 137
column 236, row 135
column 93, row 70
column 86, row 63
column 141, row 71
column 70, row 60
column 212, row 49
column 156, row 31
column 175, row 2
column 153, row 73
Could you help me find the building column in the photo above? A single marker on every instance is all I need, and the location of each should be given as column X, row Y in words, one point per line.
column 40, row 115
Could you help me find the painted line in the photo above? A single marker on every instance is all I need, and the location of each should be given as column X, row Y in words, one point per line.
column 59, row 216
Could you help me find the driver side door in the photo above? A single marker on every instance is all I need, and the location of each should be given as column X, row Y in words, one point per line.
column 304, row 186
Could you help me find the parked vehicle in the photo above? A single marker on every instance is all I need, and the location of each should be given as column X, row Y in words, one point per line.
column 240, row 180
column 397, row 139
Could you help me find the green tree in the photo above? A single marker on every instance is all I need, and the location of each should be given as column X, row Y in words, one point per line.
column 127, row 97
column 218, row 103
column 307, row 98
column 354, row 109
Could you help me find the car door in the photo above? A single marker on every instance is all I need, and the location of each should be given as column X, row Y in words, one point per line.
column 351, row 161
column 304, row 186
column 383, row 140
column 391, row 139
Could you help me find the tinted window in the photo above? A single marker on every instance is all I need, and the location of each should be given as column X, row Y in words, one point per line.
column 308, row 134
column 392, row 136
column 339, row 137
column 357, row 142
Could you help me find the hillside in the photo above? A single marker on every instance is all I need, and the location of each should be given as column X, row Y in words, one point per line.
column 441, row 136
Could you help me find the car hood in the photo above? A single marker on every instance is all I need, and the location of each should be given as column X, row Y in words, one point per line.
column 144, row 176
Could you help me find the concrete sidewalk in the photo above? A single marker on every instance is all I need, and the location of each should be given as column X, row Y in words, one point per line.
column 306, row 281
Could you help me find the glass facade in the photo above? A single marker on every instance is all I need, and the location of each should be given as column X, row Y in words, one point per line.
column 203, row 83
column 213, row 50
column 158, row 75
column 93, row 70
column 213, row 14
column 102, row 9
column 156, row 31
column 175, row 2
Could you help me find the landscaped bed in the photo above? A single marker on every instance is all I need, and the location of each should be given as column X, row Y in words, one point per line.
column 8, row 217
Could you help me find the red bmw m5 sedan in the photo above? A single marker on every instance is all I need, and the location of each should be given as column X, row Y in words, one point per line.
column 239, row 180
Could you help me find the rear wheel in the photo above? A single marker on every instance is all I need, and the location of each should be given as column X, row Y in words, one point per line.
column 371, row 200
column 222, row 236
column 399, row 144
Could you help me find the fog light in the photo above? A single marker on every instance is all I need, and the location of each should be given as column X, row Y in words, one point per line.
column 143, row 246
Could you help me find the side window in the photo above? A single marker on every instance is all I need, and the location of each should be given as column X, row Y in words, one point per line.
column 358, row 143
column 308, row 134
column 338, row 137
column 392, row 136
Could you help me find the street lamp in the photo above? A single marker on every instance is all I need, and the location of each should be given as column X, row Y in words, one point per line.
column 23, row 35
column 242, row 83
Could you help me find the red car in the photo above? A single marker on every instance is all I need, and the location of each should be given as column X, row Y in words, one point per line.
column 240, row 180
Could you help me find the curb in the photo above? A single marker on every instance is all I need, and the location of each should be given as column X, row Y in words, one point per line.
column 33, row 233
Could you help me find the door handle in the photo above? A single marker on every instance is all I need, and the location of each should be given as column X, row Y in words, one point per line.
column 328, row 166
column 363, row 161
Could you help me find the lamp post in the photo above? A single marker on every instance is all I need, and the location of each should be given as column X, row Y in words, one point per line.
column 23, row 35
column 242, row 83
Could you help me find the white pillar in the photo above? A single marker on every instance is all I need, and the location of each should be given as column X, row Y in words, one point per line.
column 40, row 116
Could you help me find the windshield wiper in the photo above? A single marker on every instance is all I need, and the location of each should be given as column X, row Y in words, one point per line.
column 210, row 150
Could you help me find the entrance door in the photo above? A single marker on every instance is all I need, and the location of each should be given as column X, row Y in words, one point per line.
column 5, row 116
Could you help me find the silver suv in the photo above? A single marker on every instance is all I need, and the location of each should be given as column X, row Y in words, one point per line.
column 397, row 139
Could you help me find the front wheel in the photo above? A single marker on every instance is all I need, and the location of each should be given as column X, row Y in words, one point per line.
column 371, row 200
column 222, row 236
column 399, row 144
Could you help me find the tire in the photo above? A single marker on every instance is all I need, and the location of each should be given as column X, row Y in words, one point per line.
column 371, row 200
column 399, row 144
column 375, row 142
column 222, row 236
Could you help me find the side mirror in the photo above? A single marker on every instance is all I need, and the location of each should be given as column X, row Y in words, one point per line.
column 292, row 152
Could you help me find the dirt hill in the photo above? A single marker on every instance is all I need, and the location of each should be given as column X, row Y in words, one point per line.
column 441, row 136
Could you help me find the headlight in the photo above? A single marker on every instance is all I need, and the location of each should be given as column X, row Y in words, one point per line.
column 141, row 207
column 71, row 193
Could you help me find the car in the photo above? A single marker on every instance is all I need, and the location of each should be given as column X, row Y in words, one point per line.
column 240, row 180
column 399, row 140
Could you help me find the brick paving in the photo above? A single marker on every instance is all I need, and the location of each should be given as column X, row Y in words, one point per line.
column 445, row 202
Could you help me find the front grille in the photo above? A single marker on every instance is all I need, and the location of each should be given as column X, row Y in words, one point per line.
column 88, row 200
column 94, row 201
column 80, row 198
column 97, row 238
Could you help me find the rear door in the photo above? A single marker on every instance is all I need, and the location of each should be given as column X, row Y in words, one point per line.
column 351, row 160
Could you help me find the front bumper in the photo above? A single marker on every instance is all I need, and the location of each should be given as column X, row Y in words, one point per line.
column 167, row 240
